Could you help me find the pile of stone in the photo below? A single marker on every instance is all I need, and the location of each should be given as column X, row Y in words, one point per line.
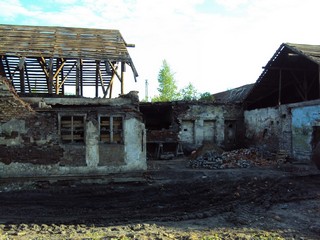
column 241, row 158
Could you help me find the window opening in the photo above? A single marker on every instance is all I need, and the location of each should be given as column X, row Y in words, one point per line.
column 72, row 128
column 111, row 129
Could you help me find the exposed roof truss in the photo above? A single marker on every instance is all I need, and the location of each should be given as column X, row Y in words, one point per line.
column 50, row 60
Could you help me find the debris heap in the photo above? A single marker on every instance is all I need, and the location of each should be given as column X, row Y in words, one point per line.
column 240, row 158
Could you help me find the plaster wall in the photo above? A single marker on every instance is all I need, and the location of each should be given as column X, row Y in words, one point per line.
column 200, row 121
column 32, row 147
column 304, row 119
column 263, row 128
column 192, row 121
column 135, row 144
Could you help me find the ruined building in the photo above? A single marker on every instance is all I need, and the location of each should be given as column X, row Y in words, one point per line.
column 177, row 127
column 47, row 126
column 282, row 111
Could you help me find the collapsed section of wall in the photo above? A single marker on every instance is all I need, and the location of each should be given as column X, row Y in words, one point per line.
column 191, row 124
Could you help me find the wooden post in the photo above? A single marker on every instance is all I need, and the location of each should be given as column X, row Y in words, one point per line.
column 57, row 76
column 27, row 75
column 78, row 78
column 50, row 80
column 280, row 80
column 305, row 85
column 22, row 86
column 9, row 72
column 110, row 93
column 123, row 69
column 62, row 86
column 81, row 77
column 97, row 76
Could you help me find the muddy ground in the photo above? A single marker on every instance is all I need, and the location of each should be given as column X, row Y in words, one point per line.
column 169, row 201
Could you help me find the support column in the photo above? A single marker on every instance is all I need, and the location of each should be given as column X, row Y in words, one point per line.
column 97, row 76
column 22, row 85
column 123, row 69
column 78, row 78
column 280, row 82
column 50, row 80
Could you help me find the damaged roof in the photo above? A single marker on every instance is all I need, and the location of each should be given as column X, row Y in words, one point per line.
column 63, row 42
column 291, row 75
column 236, row 95
column 43, row 59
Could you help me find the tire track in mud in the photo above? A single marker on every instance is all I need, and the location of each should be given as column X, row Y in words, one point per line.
column 142, row 201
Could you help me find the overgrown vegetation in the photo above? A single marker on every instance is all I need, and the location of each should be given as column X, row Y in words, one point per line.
column 168, row 90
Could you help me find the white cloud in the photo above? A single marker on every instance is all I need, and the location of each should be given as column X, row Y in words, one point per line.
column 231, row 4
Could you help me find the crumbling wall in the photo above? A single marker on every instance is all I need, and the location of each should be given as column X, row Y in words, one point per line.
column 305, row 131
column 32, row 146
column 207, row 122
column 263, row 128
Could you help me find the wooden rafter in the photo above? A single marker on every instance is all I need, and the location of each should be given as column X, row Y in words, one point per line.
column 27, row 75
column 114, row 70
column 65, row 78
column 110, row 84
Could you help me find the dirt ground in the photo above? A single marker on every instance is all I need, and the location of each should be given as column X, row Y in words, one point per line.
column 169, row 201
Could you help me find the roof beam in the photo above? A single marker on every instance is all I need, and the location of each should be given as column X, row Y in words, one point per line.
column 110, row 84
column 114, row 70
column 2, row 70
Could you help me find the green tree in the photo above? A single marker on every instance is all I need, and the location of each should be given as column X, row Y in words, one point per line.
column 167, row 85
column 189, row 93
column 206, row 96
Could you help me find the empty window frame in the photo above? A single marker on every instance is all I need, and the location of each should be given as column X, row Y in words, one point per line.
column 111, row 129
column 72, row 128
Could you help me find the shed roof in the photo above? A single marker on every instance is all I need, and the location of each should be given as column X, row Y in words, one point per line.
column 291, row 75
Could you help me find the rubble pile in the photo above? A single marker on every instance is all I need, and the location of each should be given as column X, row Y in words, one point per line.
column 240, row 158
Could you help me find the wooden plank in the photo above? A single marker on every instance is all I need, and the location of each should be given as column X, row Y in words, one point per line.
column 102, row 82
column 123, row 69
column 97, row 80
column 50, row 79
column 22, row 86
column 27, row 75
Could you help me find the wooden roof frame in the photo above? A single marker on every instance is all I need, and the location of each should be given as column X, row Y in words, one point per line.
column 43, row 59
column 291, row 75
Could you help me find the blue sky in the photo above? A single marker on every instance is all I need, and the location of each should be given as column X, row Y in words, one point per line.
column 214, row 44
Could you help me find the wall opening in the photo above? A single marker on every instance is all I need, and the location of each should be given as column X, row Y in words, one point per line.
column 230, row 136
column 72, row 128
column 315, row 136
column 187, row 133
column 111, row 129
column 157, row 117
column 209, row 131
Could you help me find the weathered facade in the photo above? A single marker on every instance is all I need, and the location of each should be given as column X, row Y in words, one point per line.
column 45, row 131
column 71, row 136
column 191, row 124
